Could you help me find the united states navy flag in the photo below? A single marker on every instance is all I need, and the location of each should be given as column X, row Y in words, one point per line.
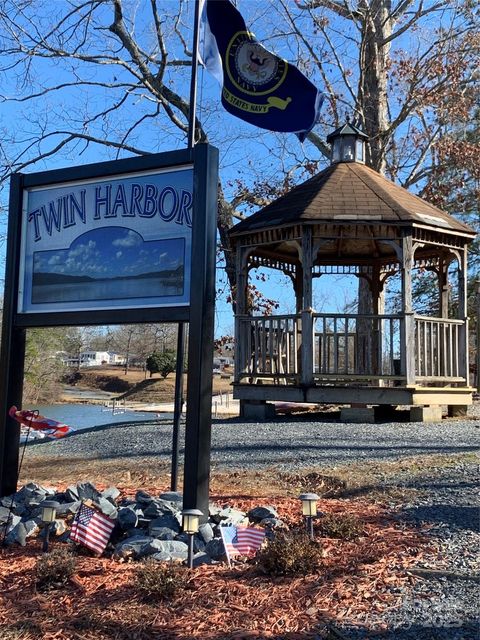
column 258, row 86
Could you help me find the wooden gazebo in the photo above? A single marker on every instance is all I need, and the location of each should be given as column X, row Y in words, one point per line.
column 349, row 219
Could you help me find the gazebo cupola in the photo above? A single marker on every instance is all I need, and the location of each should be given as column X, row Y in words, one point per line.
column 348, row 144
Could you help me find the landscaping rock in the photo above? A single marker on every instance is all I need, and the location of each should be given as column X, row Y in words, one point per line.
column 158, row 507
column 229, row 515
column 17, row 535
column 58, row 527
column 68, row 507
column 173, row 496
column 168, row 521
column 162, row 533
column 198, row 543
column 142, row 497
column 107, row 508
column 87, row 491
column 206, row 532
column 71, row 493
column 215, row 549
column 4, row 514
column 257, row 514
column 131, row 547
column 272, row 523
column 112, row 493
column 127, row 518
column 202, row 558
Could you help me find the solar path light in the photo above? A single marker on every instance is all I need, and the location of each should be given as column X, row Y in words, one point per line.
column 309, row 509
column 49, row 512
column 191, row 521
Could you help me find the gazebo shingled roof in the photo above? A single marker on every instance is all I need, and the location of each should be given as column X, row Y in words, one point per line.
column 347, row 192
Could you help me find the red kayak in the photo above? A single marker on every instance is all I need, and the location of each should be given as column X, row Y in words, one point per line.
column 33, row 420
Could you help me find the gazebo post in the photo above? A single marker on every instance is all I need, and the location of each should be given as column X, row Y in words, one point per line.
column 241, row 343
column 408, row 325
column 462, row 315
column 443, row 287
column 307, row 311
column 377, row 309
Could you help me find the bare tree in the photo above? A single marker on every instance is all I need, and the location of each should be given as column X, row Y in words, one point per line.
column 110, row 78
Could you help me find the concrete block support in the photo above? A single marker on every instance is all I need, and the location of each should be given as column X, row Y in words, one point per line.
column 430, row 413
column 357, row 414
column 256, row 409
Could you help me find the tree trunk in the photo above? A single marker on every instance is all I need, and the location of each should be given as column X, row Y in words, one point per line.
column 375, row 58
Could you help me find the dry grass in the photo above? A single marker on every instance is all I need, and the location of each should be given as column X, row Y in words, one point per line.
column 95, row 378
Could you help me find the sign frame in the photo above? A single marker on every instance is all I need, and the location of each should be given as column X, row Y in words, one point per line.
column 199, row 313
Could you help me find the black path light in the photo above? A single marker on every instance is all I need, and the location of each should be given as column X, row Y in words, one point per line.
column 190, row 524
column 309, row 508
column 49, row 512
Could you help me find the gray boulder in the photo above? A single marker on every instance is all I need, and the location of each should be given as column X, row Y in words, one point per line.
column 205, row 531
column 143, row 498
column 228, row 515
column 257, row 514
column 112, row 493
column 131, row 547
column 87, row 491
column 127, row 518
column 167, row 520
column 215, row 549
column 168, row 550
column 158, row 507
column 272, row 523
column 202, row 558
column 173, row 496
column 198, row 543
column 17, row 535
column 68, row 507
column 162, row 533
column 4, row 514
column 107, row 508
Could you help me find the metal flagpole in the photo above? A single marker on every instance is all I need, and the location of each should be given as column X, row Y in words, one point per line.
column 177, row 414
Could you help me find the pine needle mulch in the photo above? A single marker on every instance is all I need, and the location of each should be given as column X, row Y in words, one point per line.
column 358, row 581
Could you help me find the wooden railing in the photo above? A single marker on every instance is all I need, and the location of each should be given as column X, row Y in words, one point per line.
column 440, row 350
column 354, row 347
column 315, row 348
column 268, row 347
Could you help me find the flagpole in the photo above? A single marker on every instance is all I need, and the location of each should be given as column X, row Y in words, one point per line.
column 193, row 79
column 178, row 406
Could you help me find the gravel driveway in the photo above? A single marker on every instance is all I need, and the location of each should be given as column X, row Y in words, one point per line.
column 443, row 603
column 286, row 442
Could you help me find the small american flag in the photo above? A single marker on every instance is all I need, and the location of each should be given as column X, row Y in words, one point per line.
column 241, row 541
column 91, row 528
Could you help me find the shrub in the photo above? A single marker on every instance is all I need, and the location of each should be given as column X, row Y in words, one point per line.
column 290, row 553
column 340, row 525
column 160, row 581
column 162, row 363
column 55, row 568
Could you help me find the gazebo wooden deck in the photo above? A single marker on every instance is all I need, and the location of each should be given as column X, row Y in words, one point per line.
column 349, row 219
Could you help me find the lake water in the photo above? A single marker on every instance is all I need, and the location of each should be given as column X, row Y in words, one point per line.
column 85, row 416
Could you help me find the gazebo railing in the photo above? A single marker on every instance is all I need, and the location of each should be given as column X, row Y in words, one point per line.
column 324, row 349
column 268, row 347
column 354, row 347
column 439, row 353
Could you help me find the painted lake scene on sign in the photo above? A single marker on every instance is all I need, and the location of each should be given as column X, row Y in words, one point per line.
column 109, row 263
